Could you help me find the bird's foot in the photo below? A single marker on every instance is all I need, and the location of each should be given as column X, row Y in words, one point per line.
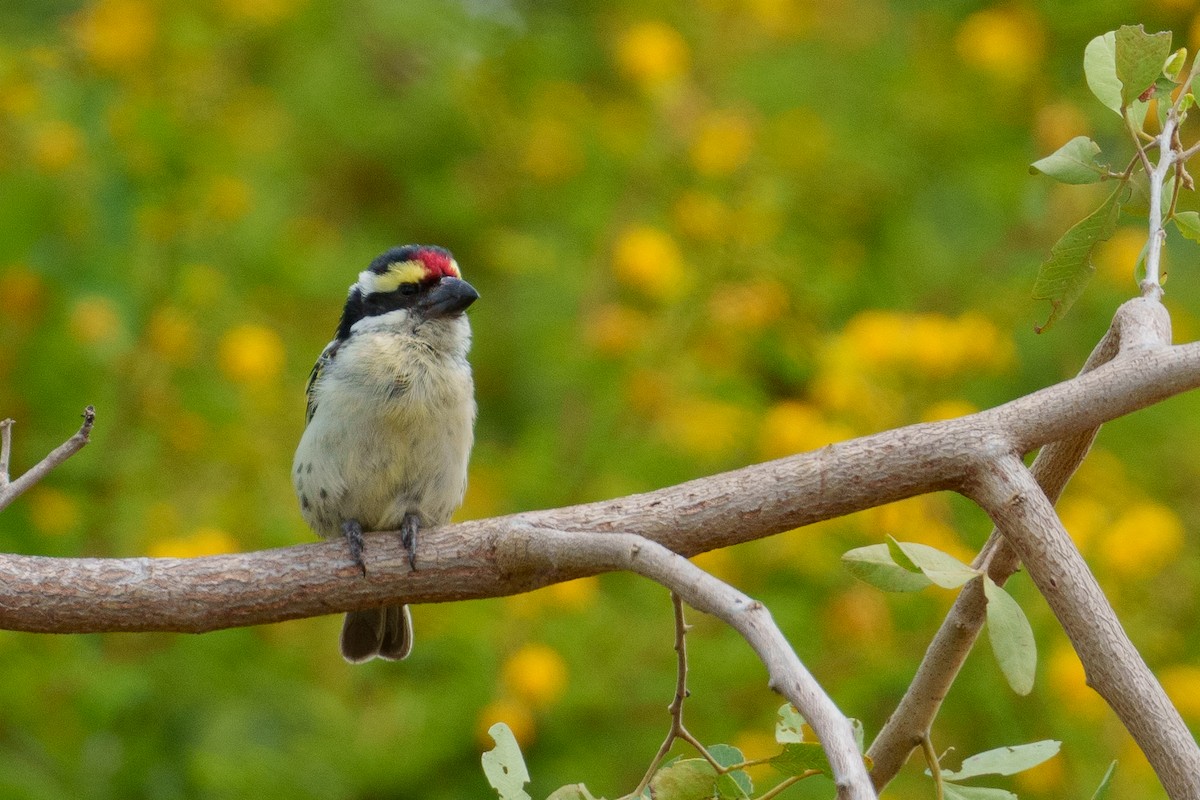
column 408, row 537
column 353, row 532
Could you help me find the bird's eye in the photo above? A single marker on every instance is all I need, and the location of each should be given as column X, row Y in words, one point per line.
column 409, row 288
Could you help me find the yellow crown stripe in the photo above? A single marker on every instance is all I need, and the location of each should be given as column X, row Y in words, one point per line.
column 398, row 273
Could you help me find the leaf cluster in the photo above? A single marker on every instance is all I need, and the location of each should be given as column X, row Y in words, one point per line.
column 1130, row 72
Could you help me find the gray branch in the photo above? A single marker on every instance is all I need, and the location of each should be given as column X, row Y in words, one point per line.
column 10, row 491
column 978, row 455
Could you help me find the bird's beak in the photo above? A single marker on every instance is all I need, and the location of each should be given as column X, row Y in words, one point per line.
column 450, row 297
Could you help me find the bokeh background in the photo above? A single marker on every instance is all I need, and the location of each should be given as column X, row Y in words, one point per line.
column 706, row 234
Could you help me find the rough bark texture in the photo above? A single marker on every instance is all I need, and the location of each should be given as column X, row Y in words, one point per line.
column 979, row 456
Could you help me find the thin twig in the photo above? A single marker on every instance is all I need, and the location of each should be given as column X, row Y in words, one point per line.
column 543, row 549
column 58, row 455
column 931, row 758
column 678, row 730
column 790, row 780
column 5, row 450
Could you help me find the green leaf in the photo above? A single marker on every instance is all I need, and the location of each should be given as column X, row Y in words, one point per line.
column 1100, row 70
column 790, row 727
column 955, row 792
column 1005, row 760
column 1011, row 638
column 1174, row 66
column 504, row 766
column 1105, row 782
column 685, row 779
column 1139, row 59
column 899, row 556
column 856, row 727
column 1188, row 223
column 873, row 564
column 801, row 757
column 1074, row 163
column 732, row 785
column 574, row 791
column 941, row 568
column 1062, row 277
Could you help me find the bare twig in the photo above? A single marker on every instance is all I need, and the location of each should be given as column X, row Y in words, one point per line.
column 5, row 450
column 935, row 769
column 9, row 491
column 675, row 709
column 1151, row 284
column 542, row 549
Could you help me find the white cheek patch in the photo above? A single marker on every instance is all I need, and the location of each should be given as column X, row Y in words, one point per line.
column 391, row 320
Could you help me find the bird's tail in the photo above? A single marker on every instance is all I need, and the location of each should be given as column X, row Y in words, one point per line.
column 377, row 632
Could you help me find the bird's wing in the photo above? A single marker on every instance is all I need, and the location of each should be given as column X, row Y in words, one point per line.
column 314, row 377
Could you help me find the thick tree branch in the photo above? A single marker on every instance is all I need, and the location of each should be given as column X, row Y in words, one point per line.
column 458, row 561
column 9, row 491
column 1011, row 496
column 1138, row 324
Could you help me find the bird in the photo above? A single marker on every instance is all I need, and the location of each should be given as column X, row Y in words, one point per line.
column 390, row 422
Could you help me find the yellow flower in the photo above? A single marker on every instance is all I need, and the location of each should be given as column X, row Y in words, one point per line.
column 1143, row 539
column 117, row 34
column 705, row 428
column 1182, row 684
column 1046, row 779
column 552, row 150
column 1116, row 259
column 1068, row 680
column 948, row 409
column 251, row 354
column 56, row 145
column 172, row 335
column 52, row 511
column 1083, row 517
column 791, row 426
column 652, row 54
column 722, row 144
column 649, row 260
column 718, row 563
column 574, row 595
column 1006, row 43
column 204, row 541
column 757, row 745
column 94, row 320
column 511, row 712
column 536, row 673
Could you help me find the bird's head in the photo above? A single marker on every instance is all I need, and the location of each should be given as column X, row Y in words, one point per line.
column 413, row 282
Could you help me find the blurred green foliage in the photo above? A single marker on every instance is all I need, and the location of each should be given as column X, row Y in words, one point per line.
column 705, row 234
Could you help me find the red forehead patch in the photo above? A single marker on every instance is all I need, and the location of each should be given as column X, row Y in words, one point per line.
column 439, row 264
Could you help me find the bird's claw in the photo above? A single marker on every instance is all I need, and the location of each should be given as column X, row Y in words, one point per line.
column 408, row 537
column 353, row 532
